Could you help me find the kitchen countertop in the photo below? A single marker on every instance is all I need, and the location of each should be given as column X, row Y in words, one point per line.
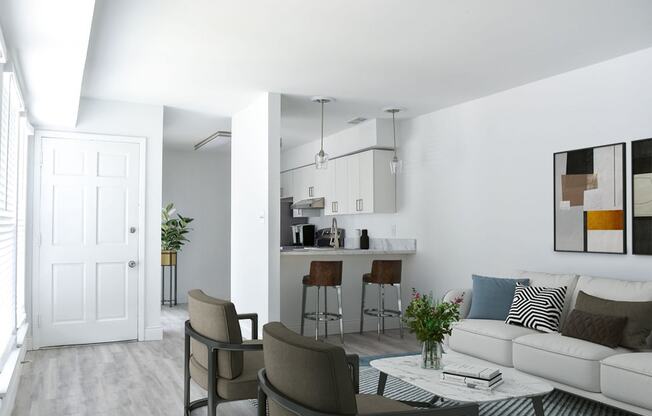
column 327, row 251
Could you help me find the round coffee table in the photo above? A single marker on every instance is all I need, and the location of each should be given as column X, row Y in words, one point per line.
column 515, row 384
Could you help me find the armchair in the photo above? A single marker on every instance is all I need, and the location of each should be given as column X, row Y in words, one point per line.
column 305, row 377
column 216, row 356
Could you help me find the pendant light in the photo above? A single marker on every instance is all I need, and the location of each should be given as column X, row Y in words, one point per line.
column 321, row 158
column 396, row 164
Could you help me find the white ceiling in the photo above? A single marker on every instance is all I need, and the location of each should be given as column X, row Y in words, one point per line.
column 49, row 39
column 205, row 59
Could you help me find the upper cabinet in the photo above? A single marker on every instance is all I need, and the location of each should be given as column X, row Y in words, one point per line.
column 357, row 184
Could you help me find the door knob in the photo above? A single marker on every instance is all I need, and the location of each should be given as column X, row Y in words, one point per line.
column 132, row 230
column 132, row 264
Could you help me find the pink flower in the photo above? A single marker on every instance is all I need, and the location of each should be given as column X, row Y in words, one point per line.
column 459, row 299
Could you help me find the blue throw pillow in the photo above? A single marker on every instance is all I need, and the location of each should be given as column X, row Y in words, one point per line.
column 492, row 297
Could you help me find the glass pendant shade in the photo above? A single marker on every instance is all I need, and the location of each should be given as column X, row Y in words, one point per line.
column 396, row 165
column 321, row 160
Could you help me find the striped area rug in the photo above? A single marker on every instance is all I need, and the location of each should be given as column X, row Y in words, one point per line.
column 556, row 403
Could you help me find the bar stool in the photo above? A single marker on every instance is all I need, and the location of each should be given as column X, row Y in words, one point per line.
column 323, row 274
column 383, row 273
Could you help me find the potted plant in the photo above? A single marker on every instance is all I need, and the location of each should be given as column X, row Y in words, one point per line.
column 174, row 228
column 431, row 320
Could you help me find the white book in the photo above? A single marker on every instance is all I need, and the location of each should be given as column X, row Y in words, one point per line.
column 472, row 386
column 471, row 380
column 485, row 373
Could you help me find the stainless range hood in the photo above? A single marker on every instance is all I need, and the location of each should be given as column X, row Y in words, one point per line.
column 310, row 203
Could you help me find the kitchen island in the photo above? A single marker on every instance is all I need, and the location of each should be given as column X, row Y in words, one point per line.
column 295, row 263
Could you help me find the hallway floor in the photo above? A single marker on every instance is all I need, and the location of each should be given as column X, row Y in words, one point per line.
column 140, row 378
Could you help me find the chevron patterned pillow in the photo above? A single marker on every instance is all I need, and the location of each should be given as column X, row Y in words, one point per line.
column 537, row 307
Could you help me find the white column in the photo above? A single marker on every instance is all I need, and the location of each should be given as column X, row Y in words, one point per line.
column 255, row 193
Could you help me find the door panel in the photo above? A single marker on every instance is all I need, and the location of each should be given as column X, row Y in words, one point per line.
column 89, row 200
column 366, row 182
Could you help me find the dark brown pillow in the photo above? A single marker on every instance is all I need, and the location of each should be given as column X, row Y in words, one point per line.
column 636, row 334
column 599, row 329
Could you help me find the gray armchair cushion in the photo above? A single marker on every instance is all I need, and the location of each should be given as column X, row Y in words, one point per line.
column 216, row 319
column 370, row 403
column 245, row 386
column 311, row 373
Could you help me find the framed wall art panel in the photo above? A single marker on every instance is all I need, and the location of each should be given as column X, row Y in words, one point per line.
column 589, row 200
column 642, row 196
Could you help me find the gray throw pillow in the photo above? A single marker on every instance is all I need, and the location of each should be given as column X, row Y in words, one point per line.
column 492, row 297
column 636, row 334
column 599, row 329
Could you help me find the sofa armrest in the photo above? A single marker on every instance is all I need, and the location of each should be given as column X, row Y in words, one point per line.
column 465, row 294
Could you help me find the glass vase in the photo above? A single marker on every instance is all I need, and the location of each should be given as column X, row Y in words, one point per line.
column 431, row 354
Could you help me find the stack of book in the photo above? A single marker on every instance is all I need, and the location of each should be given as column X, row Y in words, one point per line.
column 476, row 377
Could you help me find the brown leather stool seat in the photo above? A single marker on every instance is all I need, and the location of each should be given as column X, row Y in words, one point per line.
column 323, row 274
column 383, row 273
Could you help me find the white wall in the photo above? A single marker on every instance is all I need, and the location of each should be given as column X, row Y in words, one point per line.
column 374, row 133
column 476, row 190
column 255, row 193
column 199, row 185
column 128, row 119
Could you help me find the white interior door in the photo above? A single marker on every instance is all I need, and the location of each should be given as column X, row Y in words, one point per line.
column 89, row 231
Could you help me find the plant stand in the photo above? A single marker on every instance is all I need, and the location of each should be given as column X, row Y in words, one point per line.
column 169, row 261
column 172, row 271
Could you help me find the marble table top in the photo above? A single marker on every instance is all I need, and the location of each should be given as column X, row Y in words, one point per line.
column 408, row 369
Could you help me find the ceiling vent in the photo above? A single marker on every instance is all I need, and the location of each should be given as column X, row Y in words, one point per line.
column 356, row 120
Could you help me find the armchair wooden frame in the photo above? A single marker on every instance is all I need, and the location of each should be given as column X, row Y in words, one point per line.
column 212, row 399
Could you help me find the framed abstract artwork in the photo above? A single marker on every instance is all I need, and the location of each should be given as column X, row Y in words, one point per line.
column 589, row 198
column 642, row 196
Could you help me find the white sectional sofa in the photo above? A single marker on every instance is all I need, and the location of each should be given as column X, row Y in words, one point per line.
column 615, row 376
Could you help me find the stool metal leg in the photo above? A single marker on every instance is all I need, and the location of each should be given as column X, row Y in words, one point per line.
column 339, row 306
column 382, row 291
column 303, row 308
column 317, row 315
column 326, row 311
column 400, row 309
column 378, row 313
column 364, row 287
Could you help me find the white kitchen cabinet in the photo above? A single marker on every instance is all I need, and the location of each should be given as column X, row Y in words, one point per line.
column 336, row 197
column 361, row 182
column 287, row 184
column 303, row 183
column 357, row 184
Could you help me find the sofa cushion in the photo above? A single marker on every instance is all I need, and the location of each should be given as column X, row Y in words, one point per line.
column 599, row 329
column 537, row 307
column 492, row 297
column 563, row 359
column 613, row 289
column 628, row 378
column 487, row 339
column 553, row 280
column 638, row 327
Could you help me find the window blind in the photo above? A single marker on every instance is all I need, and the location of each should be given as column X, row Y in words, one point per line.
column 11, row 170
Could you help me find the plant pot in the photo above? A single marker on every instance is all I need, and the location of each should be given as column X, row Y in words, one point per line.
column 168, row 258
column 431, row 354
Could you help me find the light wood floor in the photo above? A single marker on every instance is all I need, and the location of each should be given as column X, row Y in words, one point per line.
column 140, row 378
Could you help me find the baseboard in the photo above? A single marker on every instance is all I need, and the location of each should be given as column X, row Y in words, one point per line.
column 8, row 401
column 153, row 333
